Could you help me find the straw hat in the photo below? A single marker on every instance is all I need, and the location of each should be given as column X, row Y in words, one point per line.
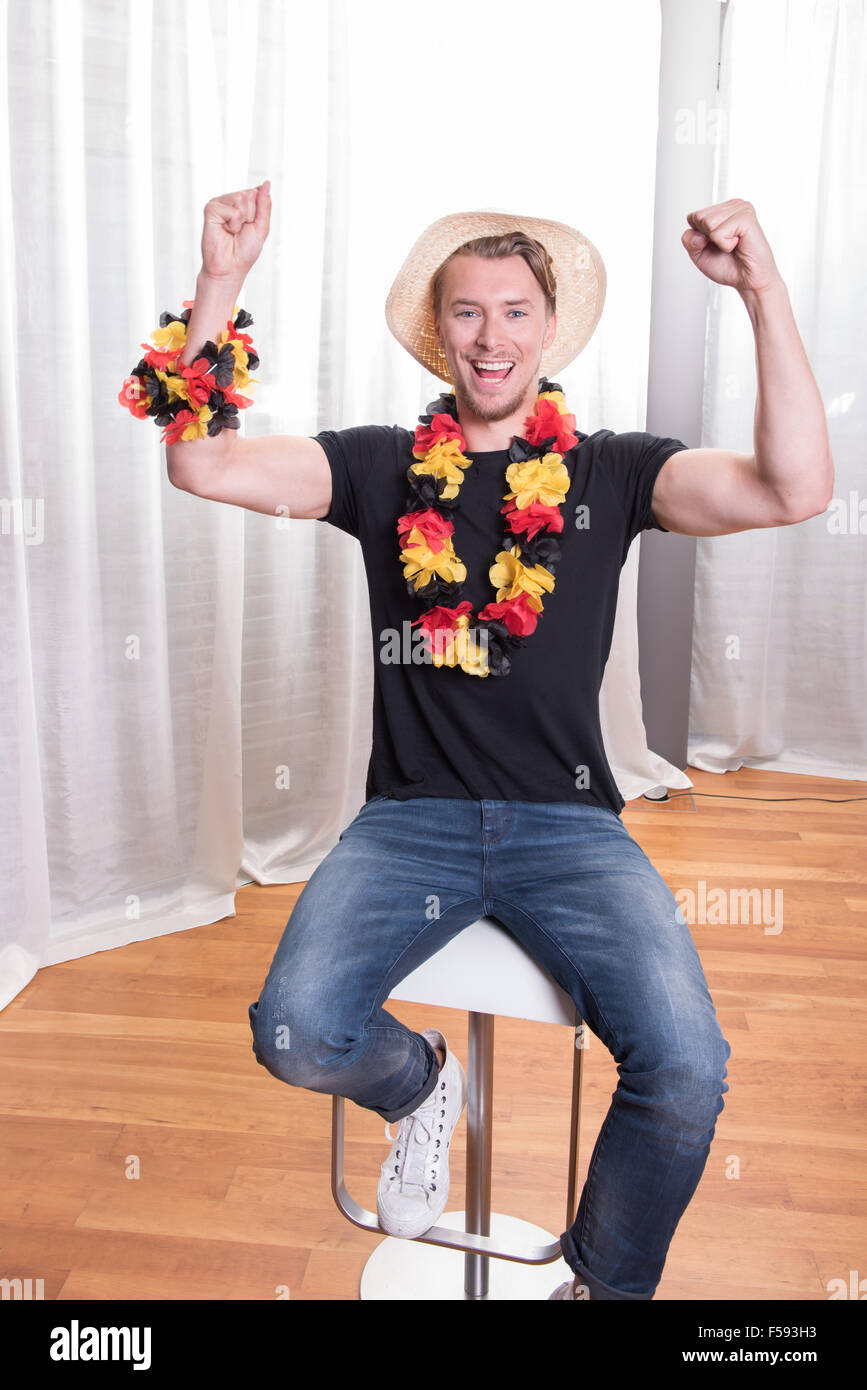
column 578, row 270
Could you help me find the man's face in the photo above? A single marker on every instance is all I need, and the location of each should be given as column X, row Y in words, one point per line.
column 493, row 311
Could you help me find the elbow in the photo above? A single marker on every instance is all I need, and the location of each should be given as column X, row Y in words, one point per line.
column 823, row 498
column 810, row 499
column 795, row 511
column 179, row 477
column 822, row 501
column 173, row 472
column 802, row 508
column 794, row 514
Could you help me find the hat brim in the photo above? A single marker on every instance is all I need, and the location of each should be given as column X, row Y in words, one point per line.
column 578, row 270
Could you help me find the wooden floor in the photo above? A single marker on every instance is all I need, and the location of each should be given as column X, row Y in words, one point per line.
column 142, row 1055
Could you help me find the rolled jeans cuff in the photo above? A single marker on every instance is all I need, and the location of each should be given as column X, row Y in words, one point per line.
column 392, row 1116
column 596, row 1287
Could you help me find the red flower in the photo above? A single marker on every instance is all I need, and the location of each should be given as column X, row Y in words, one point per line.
column 156, row 357
column 438, row 616
column 199, row 383
column 231, row 394
column 439, row 621
column 172, row 433
column 547, row 421
column 133, row 395
column 528, row 520
column 442, row 427
column 518, row 617
column 434, row 527
column 236, row 335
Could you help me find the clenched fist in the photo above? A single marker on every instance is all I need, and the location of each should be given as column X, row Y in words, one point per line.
column 727, row 244
column 236, row 225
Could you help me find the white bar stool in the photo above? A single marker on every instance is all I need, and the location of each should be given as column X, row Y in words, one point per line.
column 485, row 971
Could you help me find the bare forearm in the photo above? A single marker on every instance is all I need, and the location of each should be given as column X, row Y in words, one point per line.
column 791, row 445
column 213, row 307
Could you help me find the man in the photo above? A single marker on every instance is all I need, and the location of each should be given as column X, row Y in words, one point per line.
column 495, row 533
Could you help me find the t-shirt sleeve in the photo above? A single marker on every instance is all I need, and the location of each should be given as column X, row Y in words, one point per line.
column 351, row 455
column 633, row 461
column 348, row 453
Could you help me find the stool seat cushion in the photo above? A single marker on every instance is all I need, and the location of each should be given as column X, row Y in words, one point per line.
column 485, row 970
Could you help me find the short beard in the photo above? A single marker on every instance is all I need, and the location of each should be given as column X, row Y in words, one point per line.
column 500, row 408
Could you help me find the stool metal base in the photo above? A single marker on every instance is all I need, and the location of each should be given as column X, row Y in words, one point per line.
column 476, row 1238
column 413, row 1270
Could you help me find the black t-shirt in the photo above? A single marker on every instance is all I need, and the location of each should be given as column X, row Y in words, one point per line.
column 534, row 734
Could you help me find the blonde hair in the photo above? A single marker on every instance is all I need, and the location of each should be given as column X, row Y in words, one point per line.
column 507, row 244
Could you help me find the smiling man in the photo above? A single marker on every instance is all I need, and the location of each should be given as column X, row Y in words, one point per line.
column 495, row 532
column 493, row 341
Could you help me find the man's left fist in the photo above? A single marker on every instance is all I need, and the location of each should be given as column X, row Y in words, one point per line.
column 731, row 248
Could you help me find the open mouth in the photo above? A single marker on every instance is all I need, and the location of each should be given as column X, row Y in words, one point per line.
column 494, row 371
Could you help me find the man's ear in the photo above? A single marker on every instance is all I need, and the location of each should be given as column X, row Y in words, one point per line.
column 550, row 331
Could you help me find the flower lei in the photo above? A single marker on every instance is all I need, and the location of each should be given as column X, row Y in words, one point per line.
column 538, row 481
column 196, row 400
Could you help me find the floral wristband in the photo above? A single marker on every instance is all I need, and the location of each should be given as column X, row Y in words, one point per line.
column 195, row 401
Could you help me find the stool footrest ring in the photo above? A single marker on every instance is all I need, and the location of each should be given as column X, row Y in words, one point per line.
column 441, row 1235
column 476, row 1247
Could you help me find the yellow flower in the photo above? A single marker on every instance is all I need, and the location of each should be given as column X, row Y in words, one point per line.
column 421, row 563
column 511, row 578
column 240, row 372
column 556, row 396
column 442, row 462
column 473, row 657
column 177, row 386
column 544, row 480
column 172, row 338
column 460, row 648
column 444, row 448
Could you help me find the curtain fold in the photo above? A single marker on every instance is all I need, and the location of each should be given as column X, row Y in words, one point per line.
column 187, row 686
column 780, row 623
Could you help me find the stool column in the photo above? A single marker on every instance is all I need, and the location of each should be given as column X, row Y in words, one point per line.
column 480, row 1095
column 572, row 1194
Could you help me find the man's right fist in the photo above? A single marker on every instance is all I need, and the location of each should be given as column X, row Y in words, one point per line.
column 236, row 225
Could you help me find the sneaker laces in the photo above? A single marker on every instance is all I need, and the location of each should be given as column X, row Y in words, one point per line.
column 415, row 1134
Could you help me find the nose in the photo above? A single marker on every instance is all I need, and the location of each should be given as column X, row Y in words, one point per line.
column 485, row 337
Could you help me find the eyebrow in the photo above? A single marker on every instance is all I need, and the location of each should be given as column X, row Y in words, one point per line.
column 476, row 305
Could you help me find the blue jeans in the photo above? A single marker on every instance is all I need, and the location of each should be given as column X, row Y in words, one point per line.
column 570, row 883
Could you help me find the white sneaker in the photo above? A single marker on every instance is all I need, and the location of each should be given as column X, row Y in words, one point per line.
column 414, row 1179
column 563, row 1291
column 566, row 1291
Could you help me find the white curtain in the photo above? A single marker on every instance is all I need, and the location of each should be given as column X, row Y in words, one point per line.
column 186, row 686
column 780, row 637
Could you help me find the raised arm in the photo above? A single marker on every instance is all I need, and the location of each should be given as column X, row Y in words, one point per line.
column 277, row 474
column 789, row 477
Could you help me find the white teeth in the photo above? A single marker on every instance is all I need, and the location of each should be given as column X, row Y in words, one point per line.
column 494, row 366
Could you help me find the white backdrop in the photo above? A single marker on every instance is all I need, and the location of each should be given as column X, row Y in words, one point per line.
column 779, row 664
column 186, row 686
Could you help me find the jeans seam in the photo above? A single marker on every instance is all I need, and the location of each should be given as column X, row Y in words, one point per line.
column 592, row 1174
column 573, row 967
column 378, row 1002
